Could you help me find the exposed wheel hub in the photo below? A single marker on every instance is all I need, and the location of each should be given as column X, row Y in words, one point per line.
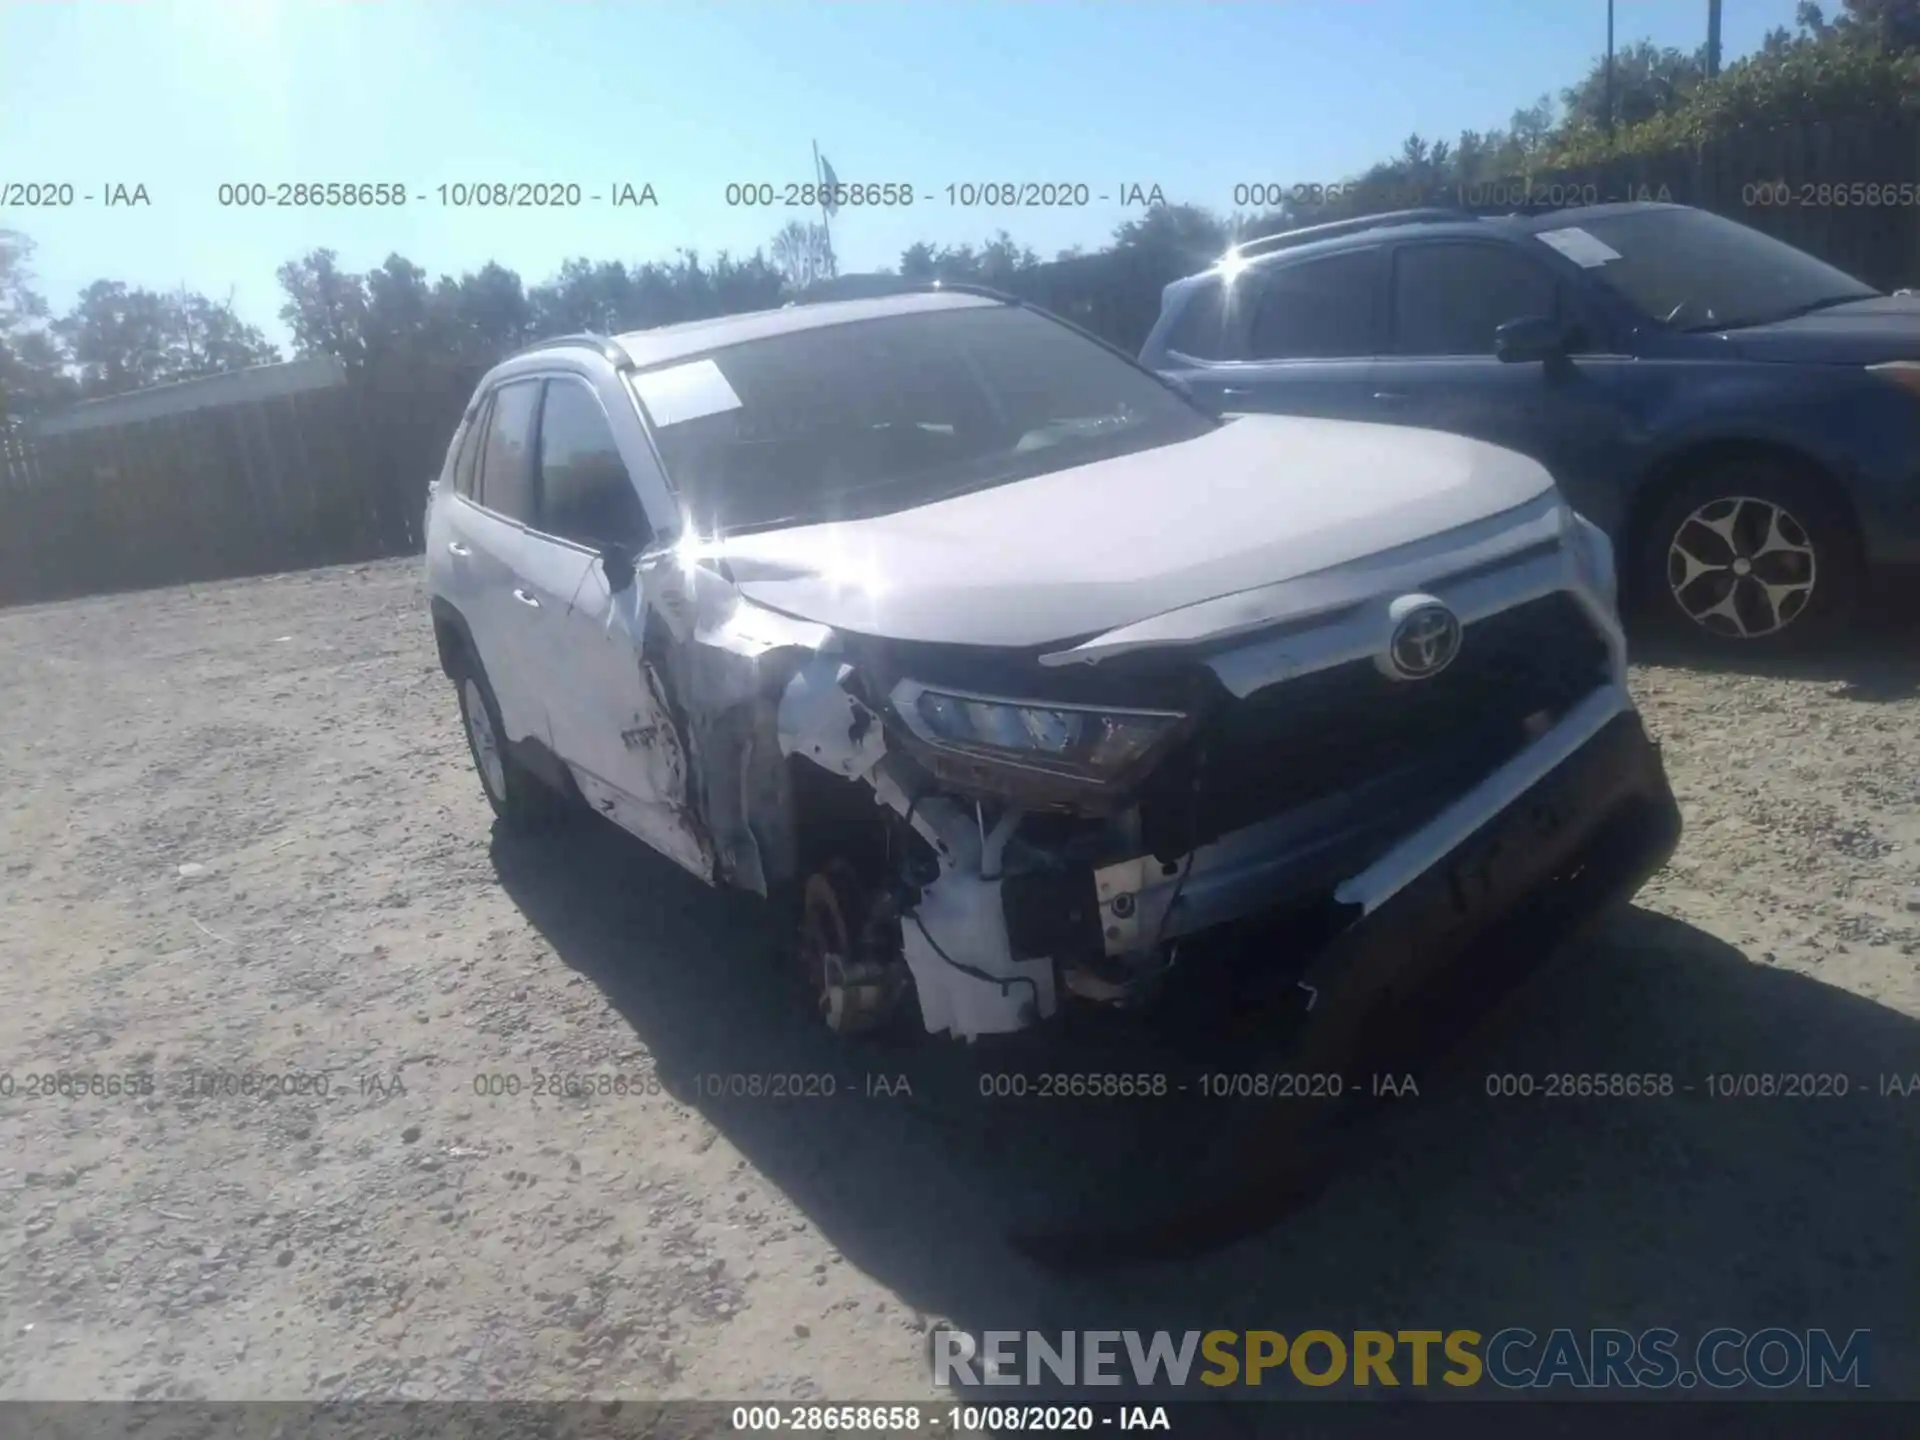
column 1741, row 567
column 849, row 952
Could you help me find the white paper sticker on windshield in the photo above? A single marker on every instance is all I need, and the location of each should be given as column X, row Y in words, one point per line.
column 1579, row 246
column 685, row 392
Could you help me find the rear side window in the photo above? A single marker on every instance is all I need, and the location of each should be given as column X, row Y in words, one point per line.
column 1449, row 299
column 1321, row 309
column 586, row 494
column 466, row 463
column 506, row 460
column 1200, row 331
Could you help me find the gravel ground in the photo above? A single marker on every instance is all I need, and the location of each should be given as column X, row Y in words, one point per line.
column 241, row 839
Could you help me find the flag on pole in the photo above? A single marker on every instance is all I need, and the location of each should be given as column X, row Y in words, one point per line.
column 827, row 179
column 828, row 184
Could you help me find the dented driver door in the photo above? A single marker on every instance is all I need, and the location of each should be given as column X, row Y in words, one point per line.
column 607, row 709
column 616, row 725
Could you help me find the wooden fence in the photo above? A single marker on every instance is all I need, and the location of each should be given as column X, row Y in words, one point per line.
column 281, row 468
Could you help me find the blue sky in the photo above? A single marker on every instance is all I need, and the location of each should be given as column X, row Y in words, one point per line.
column 1194, row 97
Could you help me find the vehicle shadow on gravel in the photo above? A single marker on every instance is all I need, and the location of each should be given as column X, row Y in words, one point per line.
column 1876, row 661
column 1452, row 1208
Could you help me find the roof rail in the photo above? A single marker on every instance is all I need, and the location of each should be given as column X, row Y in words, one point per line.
column 1332, row 229
column 870, row 287
column 962, row 287
column 586, row 340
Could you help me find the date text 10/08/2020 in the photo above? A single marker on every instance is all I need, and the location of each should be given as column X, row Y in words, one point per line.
column 68, row 1086
column 956, row 1419
column 966, row 194
column 696, row 1085
column 457, row 195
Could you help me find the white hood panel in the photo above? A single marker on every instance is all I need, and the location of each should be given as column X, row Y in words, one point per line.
column 1261, row 500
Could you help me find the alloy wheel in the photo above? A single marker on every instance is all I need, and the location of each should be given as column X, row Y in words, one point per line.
column 1741, row 567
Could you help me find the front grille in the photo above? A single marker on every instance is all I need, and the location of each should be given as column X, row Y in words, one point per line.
column 1325, row 733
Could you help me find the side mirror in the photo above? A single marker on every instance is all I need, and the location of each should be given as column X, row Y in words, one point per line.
column 1193, row 397
column 618, row 562
column 1531, row 338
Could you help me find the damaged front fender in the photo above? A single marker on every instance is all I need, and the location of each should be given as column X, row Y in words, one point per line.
column 727, row 669
column 823, row 721
column 953, row 930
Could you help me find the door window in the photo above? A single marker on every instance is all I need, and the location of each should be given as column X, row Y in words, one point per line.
column 1449, row 299
column 1318, row 309
column 506, row 461
column 466, row 464
column 1200, row 332
column 586, row 494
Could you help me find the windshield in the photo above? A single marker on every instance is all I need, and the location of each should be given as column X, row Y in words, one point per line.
column 1697, row 271
column 850, row 421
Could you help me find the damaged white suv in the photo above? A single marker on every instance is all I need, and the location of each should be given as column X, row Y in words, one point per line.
column 1013, row 671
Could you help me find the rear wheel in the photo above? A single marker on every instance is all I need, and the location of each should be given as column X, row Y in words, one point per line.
column 1752, row 553
column 518, row 798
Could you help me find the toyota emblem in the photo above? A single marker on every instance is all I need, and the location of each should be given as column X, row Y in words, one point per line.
column 1426, row 637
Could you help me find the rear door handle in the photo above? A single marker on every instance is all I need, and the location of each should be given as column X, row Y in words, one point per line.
column 525, row 599
column 1389, row 397
column 454, row 547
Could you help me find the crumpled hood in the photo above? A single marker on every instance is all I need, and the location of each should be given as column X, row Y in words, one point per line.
column 1260, row 500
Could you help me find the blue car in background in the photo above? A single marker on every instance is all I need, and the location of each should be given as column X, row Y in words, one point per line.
column 1742, row 419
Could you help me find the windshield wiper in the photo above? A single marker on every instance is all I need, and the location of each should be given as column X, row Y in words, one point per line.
column 1826, row 303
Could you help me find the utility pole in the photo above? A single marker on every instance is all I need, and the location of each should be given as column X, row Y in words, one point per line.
column 1713, row 38
column 1609, row 69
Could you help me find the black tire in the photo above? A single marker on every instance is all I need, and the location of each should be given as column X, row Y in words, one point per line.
column 1787, row 567
column 520, row 801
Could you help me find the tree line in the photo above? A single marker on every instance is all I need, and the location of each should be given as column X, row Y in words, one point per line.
column 394, row 318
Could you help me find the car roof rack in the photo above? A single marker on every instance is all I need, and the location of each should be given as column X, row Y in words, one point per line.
column 963, row 287
column 605, row 347
column 888, row 285
column 1333, row 229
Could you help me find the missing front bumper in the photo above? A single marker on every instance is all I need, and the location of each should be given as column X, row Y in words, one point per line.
column 1143, row 901
column 1573, row 824
column 1580, row 817
column 1449, row 942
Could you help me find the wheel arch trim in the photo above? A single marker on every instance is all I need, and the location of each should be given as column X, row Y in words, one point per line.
column 452, row 635
column 1671, row 464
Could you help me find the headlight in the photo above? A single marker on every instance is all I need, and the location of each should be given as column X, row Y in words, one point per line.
column 1097, row 745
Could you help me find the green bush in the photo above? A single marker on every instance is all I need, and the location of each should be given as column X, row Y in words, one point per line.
column 1803, row 84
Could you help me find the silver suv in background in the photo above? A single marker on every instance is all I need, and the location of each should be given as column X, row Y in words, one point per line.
column 1010, row 672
